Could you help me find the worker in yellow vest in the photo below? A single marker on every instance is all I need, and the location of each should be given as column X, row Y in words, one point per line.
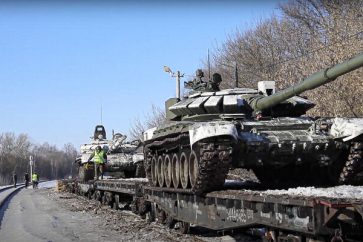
column 100, row 159
column 35, row 180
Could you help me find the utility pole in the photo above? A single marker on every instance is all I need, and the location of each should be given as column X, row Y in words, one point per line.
column 236, row 74
column 31, row 163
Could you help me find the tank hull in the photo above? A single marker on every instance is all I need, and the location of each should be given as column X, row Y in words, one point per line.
column 283, row 152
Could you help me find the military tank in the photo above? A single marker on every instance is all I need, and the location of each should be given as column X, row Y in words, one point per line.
column 211, row 131
column 124, row 159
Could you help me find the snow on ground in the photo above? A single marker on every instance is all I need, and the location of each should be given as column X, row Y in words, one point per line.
column 233, row 182
column 1, row 187
column 47, row 184
column 343, row 192
column 139, row 179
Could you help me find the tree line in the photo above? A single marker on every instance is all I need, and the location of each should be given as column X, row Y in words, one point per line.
column 306, row 36
column 50, row 162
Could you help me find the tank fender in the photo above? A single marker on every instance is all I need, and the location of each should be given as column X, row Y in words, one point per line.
column 201, row 131
column 347, row 128
column 138, row 157
column 148, row 134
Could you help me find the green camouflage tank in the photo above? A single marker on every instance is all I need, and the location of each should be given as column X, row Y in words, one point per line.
column 211, row 131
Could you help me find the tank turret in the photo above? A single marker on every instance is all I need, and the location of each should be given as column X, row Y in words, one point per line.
column 204, row 103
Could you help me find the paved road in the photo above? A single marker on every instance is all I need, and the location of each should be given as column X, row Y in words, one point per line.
column 32, row 216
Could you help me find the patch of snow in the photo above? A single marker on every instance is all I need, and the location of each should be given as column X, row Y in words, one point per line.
column 342, row 192
column 201, row 130
column 233, row 182
column 1, row 187
column 106, row 177
column 138, row 179
column 348, row 128
column 47, row 184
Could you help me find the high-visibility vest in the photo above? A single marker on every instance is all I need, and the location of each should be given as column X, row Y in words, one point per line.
column 98, row 158
column 34, row 177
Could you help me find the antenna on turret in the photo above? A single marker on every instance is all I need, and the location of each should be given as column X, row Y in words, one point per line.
column 208, row 66
column 101, row 113
column 236, row 74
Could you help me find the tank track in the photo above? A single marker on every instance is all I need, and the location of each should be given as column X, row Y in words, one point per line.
column 213, row 160
column 213, row 165
column 353, row 166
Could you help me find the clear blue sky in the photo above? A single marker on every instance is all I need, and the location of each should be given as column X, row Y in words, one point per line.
column 60, row 60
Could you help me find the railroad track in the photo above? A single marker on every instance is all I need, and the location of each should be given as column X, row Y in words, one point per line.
column 6, row 188
column 7, row 192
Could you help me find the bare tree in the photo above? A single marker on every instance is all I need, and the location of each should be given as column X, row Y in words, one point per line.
column 51, row 162
column 311, row 35
column 153, row 119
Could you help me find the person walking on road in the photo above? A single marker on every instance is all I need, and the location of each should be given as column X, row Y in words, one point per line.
column 26, row 179
column 35, row 180
column 15, row 178
column 100, row 159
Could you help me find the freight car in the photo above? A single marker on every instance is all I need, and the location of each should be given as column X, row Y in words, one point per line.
column 285, row 215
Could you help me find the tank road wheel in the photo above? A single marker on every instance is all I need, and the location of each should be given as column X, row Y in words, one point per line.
column 175, row 168
column 167, row 171
column 184, row 170
column 154, row 175
column 160, row 170
column 193, row 169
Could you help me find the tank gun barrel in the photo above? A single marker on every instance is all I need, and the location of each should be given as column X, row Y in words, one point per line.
column 313, row 81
